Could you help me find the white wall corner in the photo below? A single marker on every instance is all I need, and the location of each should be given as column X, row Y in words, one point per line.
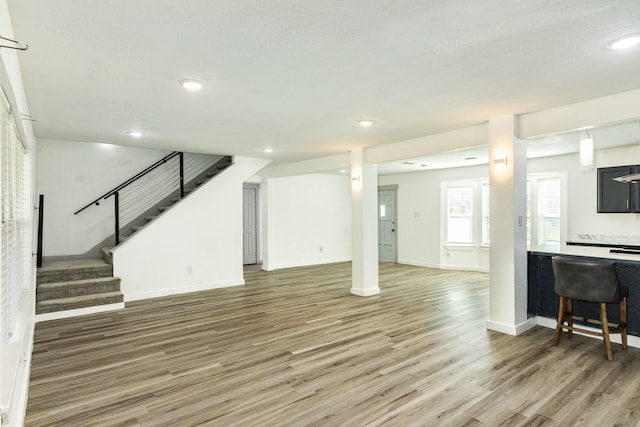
column 196, row 245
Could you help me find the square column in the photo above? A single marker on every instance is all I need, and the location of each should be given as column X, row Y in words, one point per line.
column 508, row 228
column 364, row 225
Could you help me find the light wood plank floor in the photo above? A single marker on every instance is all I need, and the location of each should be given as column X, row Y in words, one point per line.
column 294, row 348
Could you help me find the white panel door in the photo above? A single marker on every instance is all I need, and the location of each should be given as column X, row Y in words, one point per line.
column 387, row 225
column 249, row 226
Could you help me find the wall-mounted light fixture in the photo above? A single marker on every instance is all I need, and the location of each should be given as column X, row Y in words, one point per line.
column 499, row 162
column 586, row 151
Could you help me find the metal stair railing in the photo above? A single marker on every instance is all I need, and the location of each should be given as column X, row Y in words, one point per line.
column 161, row 180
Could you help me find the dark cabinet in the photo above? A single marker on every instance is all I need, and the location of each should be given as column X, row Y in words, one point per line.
column 615, row 196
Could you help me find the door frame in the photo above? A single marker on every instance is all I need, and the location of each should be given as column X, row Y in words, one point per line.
column 393, row 188
column 257, row 188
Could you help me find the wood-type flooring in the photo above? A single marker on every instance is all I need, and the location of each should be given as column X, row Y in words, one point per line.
column 294, row 348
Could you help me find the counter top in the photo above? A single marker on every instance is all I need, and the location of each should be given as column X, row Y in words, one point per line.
column 587, row 251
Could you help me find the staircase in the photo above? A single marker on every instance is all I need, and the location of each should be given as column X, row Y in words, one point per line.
column 166, row 204
column 71, row 288
column 76, row 287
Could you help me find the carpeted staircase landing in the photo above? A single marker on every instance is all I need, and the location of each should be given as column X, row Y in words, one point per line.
column 72, row 288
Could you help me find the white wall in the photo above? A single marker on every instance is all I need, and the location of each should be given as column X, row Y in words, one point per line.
column 194, row 246
column 582, row 193
column 421, row 226
column 72, row 174
column 421, row 222
column 304, row 214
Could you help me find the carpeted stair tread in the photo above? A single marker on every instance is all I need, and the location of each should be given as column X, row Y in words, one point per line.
column 60, row 271
column 57, row 290
column 82, row 282
column 79, row 301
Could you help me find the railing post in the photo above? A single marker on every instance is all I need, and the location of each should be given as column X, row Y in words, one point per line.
column 181, row 155
column 117, row 215
column 40, row 231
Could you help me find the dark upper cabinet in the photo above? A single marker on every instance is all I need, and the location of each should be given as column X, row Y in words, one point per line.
column 614, row 196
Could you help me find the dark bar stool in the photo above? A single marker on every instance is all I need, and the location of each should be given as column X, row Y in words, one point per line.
column 593, row 281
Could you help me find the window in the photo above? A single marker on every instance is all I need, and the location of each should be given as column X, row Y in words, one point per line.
column 460, row 215
column 549, row 211
column 486, row 218
column 528, row 199
column 546, row 206
column 14, row 249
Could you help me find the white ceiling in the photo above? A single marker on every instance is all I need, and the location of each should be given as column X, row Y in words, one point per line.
column 296, row 75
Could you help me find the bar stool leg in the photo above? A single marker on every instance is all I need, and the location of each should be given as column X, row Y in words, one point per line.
column 559, row 321
column 623, row 321
column 569, row 316
column 605, row 330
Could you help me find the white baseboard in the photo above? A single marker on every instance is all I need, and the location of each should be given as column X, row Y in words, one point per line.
column 512, row 329
column 443, row 267
column 78, row 312
column 135, row 296
column 418, row 263
column 464, row 268
column 632, row 340
column 304, row 263
column 365, row 292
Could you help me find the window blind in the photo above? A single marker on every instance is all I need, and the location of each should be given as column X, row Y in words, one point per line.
column 14, row 249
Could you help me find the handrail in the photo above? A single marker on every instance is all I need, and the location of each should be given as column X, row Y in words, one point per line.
column 132, row 179
column 40, row 230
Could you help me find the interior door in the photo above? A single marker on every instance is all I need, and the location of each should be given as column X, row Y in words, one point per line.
column 250, row 225
column 387, row 225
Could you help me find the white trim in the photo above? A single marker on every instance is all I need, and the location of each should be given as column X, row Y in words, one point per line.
column 43, row 317
column 418, row 263
column 365, row 292
column 304, row 263
column 511, row 329
column 443, row 266
column 181, row 290
column 632, row 340
column 464, row 268
column 15, row 407
column 462, row 247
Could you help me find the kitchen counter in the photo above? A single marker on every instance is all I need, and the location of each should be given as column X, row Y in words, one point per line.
column 584, row 251
column 543, row 301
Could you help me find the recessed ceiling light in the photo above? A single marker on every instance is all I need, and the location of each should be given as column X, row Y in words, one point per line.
column 268, row 150
column 365, row 123
column 343, row 171
column 135, row 133
column 625, row 42
column 191, row 84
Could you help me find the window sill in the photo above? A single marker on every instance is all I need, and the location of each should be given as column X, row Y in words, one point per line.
column 460, row 247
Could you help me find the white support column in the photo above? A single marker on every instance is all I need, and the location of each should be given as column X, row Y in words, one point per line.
column 508, row 228
column 364, row 218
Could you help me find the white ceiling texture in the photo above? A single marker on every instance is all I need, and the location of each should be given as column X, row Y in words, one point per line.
column 296, row 75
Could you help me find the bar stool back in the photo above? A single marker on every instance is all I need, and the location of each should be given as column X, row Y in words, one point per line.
column 593, row 281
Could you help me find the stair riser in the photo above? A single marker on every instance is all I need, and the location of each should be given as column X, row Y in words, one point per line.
column 74, row 290
column 67, row 306
column 66, row 276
